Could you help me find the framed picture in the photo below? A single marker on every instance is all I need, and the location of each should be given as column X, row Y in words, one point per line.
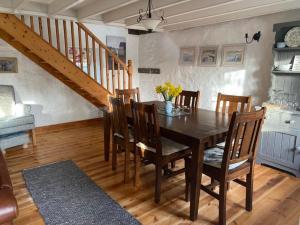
column 187, row 56
column 8, row 65
column 118, row 46
column 208, row 56
column 233, row 55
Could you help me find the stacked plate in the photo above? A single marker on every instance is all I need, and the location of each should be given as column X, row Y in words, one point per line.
column 292, row 37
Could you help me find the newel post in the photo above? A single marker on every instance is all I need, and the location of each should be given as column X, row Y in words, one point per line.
column 130, row 72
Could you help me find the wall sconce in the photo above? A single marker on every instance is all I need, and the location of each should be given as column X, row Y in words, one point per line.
column 255, row 37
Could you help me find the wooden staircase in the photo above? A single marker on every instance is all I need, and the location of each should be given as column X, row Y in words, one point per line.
column 70, row 52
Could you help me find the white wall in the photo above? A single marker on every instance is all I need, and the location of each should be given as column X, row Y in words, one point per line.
column 52, row 101
column 161, row 50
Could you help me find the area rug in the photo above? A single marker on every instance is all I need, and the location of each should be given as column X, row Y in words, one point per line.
column 66, row 195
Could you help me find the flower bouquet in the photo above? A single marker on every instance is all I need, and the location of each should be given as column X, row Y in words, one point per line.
column 168, row 91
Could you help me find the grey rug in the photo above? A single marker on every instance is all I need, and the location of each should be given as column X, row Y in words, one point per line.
column 66, row 195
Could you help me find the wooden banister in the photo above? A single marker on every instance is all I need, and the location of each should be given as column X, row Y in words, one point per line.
column 110, row 53
column 85, row 50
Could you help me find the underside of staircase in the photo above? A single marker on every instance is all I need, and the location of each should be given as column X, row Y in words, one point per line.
column 43, row 52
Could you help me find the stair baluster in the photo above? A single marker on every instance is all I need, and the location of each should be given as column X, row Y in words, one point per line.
column 112, row 73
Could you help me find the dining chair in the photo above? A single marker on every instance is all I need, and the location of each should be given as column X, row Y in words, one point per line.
column 233, row 103
column 235, row 161
column 122, row 135
column 189, row 99
column 152, row 147
column 230, row 104
column 128, row 94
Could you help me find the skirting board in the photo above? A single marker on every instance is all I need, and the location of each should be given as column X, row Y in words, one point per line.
column 69, row 125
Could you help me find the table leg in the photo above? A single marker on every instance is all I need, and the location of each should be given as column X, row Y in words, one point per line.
column 196, row 175
column 107, row 131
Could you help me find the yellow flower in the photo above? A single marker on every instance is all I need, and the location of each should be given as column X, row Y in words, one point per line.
column 168, row 90
column 158, row 89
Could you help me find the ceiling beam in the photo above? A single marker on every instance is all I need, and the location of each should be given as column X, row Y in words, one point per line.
column 131, row 10
column 16, row 4
column 234, row 6
column 99, row 7
column 184, row 8
column 58, row 6
column 237, row 15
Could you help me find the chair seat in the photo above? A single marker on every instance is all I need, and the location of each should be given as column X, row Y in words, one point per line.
column 214, row 157
column 131, row 137
column 13, row 124
column 13, row 121
column 221, row 145
column 168, row 147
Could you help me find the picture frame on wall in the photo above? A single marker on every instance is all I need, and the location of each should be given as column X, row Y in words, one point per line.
column 208, row 56
column 233, row 55
column 117, row 45
column 187, row 56
column 8, row 65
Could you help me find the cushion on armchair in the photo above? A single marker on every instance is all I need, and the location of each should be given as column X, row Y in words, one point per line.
column 14, row 117
column 9, row 125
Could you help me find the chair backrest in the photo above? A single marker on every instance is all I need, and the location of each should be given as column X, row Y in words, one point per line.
column 189, row 99
column 243, row 136
column 146, row 125
column 232, row 103
column 128, row 94
column 7, row 100
column 118, row 116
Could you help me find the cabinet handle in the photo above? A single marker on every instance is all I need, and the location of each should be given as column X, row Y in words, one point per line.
column 290, row 121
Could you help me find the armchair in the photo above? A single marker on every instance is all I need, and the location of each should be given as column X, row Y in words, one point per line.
column 16, row 121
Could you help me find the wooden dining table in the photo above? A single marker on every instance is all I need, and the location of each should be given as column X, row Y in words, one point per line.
column 199, row 129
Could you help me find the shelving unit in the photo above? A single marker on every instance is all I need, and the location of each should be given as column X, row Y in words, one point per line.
column 286, row 49
column 280, row 139
column 277, row 72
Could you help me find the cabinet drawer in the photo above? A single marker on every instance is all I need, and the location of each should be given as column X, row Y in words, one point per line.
column 291, row 120
column 283, row 120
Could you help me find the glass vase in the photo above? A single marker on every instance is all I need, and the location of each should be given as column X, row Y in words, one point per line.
column 169, row 107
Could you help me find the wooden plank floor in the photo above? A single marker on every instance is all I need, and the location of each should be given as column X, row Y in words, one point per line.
column 276, row 194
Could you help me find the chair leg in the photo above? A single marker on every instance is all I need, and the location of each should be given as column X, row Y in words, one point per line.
column 212, row 184
column 173, row 164
column 228, row 185
column 127, row 165
column 33, row 137
column 158, row 180
column 187, row 179
column 137, row 165
column 222, row 203
column 114, row 156
column 249, row 191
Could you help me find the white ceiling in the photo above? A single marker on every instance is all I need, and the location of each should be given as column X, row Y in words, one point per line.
column 180, row 14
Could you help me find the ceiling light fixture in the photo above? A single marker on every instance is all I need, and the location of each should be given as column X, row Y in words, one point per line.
column 147, row 20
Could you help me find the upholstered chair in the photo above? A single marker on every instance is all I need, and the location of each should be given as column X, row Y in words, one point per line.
column 16, row 121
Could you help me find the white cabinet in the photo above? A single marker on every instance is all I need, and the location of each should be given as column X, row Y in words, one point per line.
column 280, row 141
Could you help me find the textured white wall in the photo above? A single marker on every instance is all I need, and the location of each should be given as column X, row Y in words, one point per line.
column 161, row 50
column 52, row 101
